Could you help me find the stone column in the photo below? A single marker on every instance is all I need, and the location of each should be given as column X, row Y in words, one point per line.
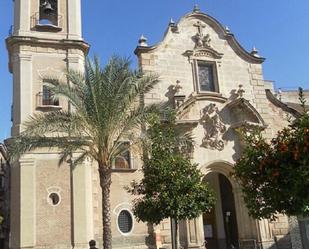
column 22, row 90
column 82, row 205
column 266, row 236
column 195, row 232
column 22, row 17
column 23, row 204
column 74, row 20
column 247, row 227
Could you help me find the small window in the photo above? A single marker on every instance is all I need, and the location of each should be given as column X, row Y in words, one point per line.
column 125, row 221
column 123, row 161
column 48, row 98
column 206, row 77
column 54, row 199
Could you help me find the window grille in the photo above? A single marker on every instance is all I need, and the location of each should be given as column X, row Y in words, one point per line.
column 206, row 77
column 125, row 222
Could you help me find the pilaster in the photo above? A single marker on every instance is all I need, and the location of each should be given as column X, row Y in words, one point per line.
column 74, row 20
column 22, row 90
column 22, row 13
column 82, row 205
column 23, row 222
column 266, row 236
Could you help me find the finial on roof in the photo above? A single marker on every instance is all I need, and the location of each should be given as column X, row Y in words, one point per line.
column 173, row 26
column 142, row 42
column 227, row 29
column 255, row 52
column 196, row 8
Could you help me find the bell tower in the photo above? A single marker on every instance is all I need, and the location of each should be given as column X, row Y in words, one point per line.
column 46, row 38
column 51, row 206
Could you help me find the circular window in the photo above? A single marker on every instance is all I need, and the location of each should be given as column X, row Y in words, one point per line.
column 54, row 199
column 125, row 221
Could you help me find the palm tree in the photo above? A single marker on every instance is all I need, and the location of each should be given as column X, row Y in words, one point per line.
column 105, row 107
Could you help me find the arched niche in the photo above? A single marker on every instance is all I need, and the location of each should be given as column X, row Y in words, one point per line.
column 48, row 19
column 243, row 114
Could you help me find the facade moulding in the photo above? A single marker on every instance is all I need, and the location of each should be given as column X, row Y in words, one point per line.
column 245, row 106
column 13, row 41
column 281, row 105
column 218, row 27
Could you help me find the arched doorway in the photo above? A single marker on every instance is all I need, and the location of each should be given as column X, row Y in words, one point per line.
column 220, row 225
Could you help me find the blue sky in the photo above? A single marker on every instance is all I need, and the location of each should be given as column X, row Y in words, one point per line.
column 279, row 30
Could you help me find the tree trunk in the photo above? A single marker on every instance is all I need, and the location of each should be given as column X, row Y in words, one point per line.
column 176, row 234
column 105, row 182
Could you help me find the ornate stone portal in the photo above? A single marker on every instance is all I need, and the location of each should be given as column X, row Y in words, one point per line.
column 214, row 128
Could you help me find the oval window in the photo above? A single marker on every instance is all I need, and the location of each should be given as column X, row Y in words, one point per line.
column 54, row 199
column 125, row 221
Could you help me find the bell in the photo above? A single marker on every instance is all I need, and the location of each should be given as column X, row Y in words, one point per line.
column 47, row 8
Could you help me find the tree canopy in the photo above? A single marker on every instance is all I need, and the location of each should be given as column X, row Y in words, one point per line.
column 172, row 186
column 275, row 175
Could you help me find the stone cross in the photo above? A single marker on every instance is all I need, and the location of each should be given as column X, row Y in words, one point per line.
column 200, row 27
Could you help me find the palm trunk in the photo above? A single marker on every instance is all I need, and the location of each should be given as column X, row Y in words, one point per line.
column 105, row 182
column 176, row 234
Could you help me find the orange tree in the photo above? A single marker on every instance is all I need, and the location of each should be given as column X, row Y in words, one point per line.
column 275, row 175
column 172, row 185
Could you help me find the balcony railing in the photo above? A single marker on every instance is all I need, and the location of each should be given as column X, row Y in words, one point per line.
column 53, row 24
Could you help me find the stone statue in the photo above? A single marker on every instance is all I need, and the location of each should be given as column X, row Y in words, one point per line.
column 214, row 127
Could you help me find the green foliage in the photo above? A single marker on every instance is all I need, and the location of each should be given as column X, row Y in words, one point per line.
column 107, row 109
column 275, row 176
column 172, row 186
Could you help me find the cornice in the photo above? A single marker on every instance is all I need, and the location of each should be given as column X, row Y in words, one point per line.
column 35, row 41
column 281, row 105
column 62, row 44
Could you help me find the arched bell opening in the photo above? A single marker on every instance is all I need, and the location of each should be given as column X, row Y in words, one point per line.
column 48, row 14
column 220, row 224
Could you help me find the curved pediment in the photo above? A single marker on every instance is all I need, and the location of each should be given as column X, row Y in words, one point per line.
column 222, row 32
column 243, row 114
column 186, row 110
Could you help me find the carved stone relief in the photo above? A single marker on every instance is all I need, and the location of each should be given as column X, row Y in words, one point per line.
column 202, row 46
column 214, row 128
column 201, row 40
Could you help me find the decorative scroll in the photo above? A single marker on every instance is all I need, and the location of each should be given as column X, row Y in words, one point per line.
column 214, row 128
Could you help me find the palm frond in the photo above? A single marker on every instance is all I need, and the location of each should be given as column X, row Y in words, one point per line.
column 106, row 110
column 24, row 143
column 53, row 122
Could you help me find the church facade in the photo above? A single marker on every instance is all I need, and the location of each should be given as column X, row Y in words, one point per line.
column 216, row 86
